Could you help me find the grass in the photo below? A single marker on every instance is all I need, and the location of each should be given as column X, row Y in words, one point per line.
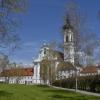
column 29, row 92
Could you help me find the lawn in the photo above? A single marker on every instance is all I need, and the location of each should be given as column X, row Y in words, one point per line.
column 29, row 92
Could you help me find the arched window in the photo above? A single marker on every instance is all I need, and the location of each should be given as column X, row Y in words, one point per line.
column 71, row 38
column 44, row 50
column 67, row 38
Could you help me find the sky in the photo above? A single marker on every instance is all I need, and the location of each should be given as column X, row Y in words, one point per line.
column 43, row 21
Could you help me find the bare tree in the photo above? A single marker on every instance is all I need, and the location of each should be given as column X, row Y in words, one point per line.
column 84, row 41
column 8, row 24
column 8, row 21
column 4, row 61
column 45, row 70
column 65, row 67
column 19, row 73
column 53, row 55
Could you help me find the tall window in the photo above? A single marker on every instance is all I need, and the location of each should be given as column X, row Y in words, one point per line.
column 45, row 51
column 67, row 38
column 71, row 38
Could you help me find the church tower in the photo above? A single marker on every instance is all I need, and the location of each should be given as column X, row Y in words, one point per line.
column 68, row 41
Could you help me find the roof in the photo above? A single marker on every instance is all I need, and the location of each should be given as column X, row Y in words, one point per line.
column 18, row 72
column 59, row 55
column 89, row 69
column 63, row 66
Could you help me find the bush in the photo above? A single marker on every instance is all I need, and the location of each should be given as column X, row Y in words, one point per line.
column 87, row 83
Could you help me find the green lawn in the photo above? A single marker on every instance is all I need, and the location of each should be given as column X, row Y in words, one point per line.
column 29, row 92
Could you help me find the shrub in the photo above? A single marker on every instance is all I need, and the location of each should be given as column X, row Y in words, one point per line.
column 88, row 83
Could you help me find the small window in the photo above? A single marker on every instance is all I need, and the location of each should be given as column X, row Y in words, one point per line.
column 45, row 51
column 71, row 38
column 67, row 38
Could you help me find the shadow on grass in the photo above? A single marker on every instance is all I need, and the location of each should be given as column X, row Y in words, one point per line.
column 5, row 93
column 61, row 97
column 58, row 96
column 44, row 86
column 67, row 95
column 58, row 91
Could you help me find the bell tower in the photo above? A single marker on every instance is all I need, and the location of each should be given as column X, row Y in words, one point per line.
column 68, row 41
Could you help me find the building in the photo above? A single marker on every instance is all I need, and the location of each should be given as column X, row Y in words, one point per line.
column 90, row 70
column 17, row 76
column 42, row 54
column 68, row 41
column 65, row 70
column 45, row 53
column 67, row 56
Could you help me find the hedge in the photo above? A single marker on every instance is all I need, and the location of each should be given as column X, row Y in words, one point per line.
column 87, row 83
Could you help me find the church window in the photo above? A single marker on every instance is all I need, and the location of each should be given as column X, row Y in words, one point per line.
column 71, row 38
column 44, row 51
column 67, row 38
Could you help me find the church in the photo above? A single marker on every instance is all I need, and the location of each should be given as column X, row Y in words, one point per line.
column 44, row 53
column 66, row 56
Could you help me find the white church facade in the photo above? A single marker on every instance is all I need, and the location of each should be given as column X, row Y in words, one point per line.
column 36, row 64
column 43, row 54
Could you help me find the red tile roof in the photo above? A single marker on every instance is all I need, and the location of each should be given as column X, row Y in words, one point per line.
column 18, row 72
column 89, row 69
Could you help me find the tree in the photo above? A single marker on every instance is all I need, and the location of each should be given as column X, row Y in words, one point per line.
column 84, row 40
column 4, row 61
column 19, row 73
column 8, row 24
column 45, row 70
column 64, row 67
column 8, row 21
column 53, row 56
